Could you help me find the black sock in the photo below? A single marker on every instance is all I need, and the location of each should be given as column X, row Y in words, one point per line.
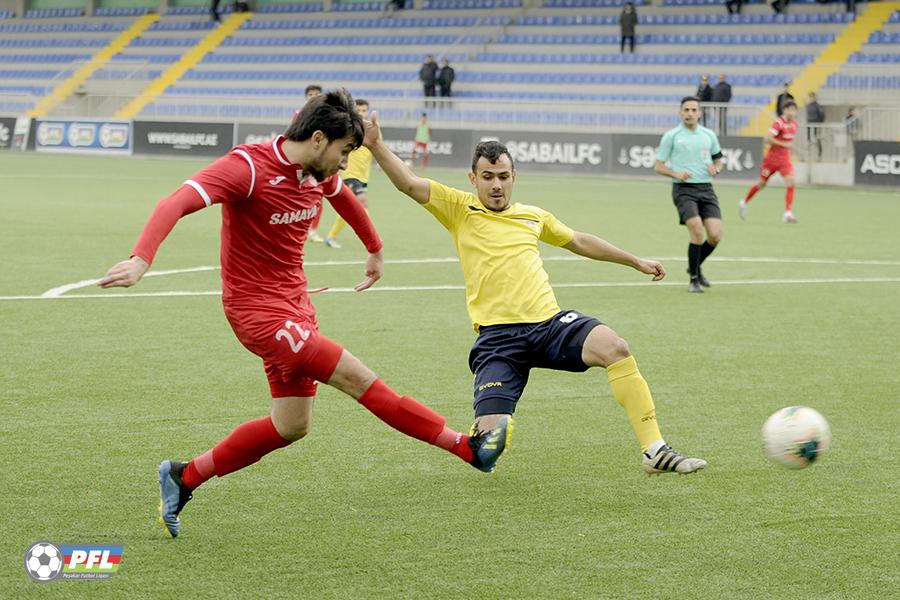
column 694, row 259
column 705, row 250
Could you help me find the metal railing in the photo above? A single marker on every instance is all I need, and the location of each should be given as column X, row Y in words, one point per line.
column 835, row 138
column 824, row 142
column 522, row 115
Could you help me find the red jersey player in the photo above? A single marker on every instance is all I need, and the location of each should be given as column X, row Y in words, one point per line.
column 270, row 193
column 778, row 160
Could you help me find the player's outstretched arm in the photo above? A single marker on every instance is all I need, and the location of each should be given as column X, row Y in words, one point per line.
column 128, row 272
column 417, row 188
column 591, row 246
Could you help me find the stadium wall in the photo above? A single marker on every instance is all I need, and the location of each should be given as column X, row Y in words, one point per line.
column 616, row 154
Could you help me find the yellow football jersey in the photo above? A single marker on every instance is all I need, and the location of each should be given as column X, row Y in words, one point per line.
column 359, row 165
column 505, row 278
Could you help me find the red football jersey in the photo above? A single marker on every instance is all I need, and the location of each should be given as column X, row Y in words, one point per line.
column 267, row 208
column 784, row 131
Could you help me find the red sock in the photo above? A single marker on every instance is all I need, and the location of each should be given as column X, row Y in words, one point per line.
column 243, row 447
column 412, row 418
column 455, row 442
column 789, row 199
column 751, row 192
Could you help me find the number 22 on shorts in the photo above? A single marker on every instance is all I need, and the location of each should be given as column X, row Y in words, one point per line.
column 295, row 344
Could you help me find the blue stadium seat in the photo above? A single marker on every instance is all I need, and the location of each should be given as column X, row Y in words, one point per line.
column 53, row 13
column 278, row 8
column 183, row 25
column 134, row 11
column 470, row 4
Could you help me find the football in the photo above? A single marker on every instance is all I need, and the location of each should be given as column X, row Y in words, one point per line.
column 43, row 561
column 796, row 436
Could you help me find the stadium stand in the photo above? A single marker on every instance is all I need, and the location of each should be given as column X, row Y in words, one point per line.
column 879, row 83
column 566, row 52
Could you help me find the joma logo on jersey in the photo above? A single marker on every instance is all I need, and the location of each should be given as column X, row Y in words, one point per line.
column 292, row 217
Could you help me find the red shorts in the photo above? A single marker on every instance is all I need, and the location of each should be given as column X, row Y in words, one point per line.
column 286, row 336
column 776, row 164
column 422, row 146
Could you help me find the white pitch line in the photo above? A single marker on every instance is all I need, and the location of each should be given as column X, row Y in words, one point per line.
column 567, row 258
column 429, row 288
column 59, row 291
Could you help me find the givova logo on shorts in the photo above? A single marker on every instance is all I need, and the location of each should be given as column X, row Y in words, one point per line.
column 45, row 561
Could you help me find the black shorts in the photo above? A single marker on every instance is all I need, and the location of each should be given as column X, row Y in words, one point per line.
column 695, row 200
column 356, row 186
column 503, row 356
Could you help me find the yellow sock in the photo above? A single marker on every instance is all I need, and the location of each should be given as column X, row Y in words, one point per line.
column 338, row 226
column 633, row 393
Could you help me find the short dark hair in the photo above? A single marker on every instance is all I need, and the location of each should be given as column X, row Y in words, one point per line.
column 334, row 114
column 361, row 102
column 491, row 151
column 690, row 99
column 788, row 103
column 312, row 87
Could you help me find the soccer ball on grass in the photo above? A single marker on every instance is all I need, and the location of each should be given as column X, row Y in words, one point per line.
column 796, row 436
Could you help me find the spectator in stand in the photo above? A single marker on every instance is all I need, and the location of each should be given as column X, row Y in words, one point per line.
column 428, row 76
column 734, row 6
column 628, row 22
column 214, row 10
column 445, row 80
column 783, row 97
column 704, row 92
column 851, row 121
column 721, row 94
column 780, row 6
column 393, row 6
column 815, row 114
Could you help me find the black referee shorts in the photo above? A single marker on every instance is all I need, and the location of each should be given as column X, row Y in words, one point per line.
column 695, row 200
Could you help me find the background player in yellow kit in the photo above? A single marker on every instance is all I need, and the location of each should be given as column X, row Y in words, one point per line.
column 356, row 176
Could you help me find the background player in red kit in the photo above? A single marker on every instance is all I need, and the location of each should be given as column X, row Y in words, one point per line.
column 778, row 160
column 270, row 193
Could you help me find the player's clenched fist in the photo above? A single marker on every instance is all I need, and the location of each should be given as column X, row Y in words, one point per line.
column 125, row 274
column 652, row 267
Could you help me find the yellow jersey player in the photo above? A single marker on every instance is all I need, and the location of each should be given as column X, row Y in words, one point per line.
column 356, row 176
column 511, row 304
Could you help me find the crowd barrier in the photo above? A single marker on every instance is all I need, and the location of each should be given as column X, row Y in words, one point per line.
column 876, row 163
